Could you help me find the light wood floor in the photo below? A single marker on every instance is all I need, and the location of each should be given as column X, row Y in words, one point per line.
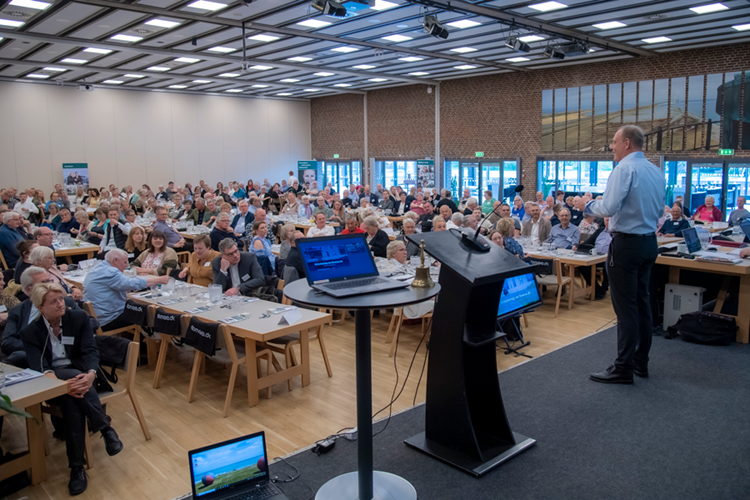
column 158, row 469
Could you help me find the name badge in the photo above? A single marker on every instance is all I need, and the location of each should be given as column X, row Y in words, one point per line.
column 131, row 255
column 246, row 277
column 207, row 264
column 3, row 309
column 67, row 340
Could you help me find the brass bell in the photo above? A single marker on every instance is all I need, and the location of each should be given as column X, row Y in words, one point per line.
column 422, row 279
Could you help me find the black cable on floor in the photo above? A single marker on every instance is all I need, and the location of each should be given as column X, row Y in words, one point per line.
column 291, row 479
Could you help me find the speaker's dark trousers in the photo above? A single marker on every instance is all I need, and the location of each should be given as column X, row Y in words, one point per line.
column 631, row 257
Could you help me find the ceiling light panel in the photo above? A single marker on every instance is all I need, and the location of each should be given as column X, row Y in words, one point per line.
column 397, row 38
column 55, row 70
column 383, row 5
column 313, row 23
column 113, row 82
column 178, row 86
column 235, row 91
column 69, row 60
column 263, row 38
column 37, row 75
column 157, row 68
column 463, row 24
column 126, row 38
column 658, row 39
column 260, row 67
column 30, row 4
column 411, row 59
column 94, row 50
column 206, row 5
column 364, row 66
column 324, row 73
column 706, row 9
column 378, row 80
column 11, row 23
column 229, row 75
column 284, row 94
column 200, row 81
column 289, row 80
column 312, row 90
column 610, row 25
column 547, row 6
column 260, row 86
column 517, row 59
column 345, row 50
column 419, row 73
column 134, row 76
column 162, row 23
column 341, row 85
column 187, row 60
column 741, row 27
column 463, row 50
column 465, row 66
column 531, row 38
column 222, row 50
column 299, row 59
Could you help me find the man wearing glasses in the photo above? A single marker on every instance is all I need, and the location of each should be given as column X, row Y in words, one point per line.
column 237, row 272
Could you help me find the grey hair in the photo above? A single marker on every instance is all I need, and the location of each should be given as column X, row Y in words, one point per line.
column 39, row 253
column 457, row 218
column 222, row 216
column 200, row 200
column 7, row 216
column 634, row 134
column 305, row 197
column 27, row 279
column 392, row 247
column 437, row 219
column 371, row 221
column 114, row 254
column 471, row 201
column 411, row 215
column 408, row 220
column 226, row 244
column 351, row 216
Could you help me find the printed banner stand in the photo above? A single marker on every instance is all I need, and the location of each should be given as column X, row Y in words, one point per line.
column 75, row 175
column 426, row 173
column 309, row 171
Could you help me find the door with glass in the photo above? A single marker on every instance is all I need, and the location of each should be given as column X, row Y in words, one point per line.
column 341, row 174
column 470, row 179
column 499, row 177
column 491, row 181
column 706, row 179
column 738, row 185
column 345, row 176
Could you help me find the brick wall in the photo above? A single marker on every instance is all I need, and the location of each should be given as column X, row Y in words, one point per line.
column 501, row 114
column 337, row 125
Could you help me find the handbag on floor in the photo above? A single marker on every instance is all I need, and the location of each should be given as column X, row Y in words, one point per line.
column 702, row 327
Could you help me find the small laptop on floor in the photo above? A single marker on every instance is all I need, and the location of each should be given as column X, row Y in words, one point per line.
column 234, row 469
column 342, row 266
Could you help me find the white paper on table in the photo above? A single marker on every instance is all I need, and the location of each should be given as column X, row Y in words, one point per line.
column 290, row 317
column 735, row 251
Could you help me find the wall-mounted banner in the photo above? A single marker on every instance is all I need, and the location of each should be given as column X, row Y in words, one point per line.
column 309, row 171
column 75, row 175
column 426, row 173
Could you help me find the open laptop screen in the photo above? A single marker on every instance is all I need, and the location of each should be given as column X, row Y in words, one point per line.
column 745, row 226
column 238, row 463
column 692, row 241
column 520, row 293
column 335, row 258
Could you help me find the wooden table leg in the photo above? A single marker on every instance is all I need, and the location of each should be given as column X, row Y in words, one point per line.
column 674, row 275
column 592, row 288
column 252, row 372
column 722, row 297
column 36, row 444
column 69, row 259
column 743, row 310
column 304, row 347
column 90, row 255
column 572, row 295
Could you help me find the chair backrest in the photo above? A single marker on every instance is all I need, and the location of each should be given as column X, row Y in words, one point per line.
column 2, row 261
column 131, row 364
column 290, row 274
column 89, row 308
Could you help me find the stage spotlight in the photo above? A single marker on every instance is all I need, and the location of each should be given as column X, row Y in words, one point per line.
column 434, row 28
column 517, row 45
column 329, row 8
column 554, row 53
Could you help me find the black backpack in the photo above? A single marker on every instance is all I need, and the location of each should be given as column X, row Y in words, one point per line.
column 703, row 327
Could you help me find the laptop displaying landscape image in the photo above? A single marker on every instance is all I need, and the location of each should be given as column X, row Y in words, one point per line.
column 234, row 468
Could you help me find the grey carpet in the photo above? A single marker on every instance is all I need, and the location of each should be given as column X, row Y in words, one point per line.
column 681, row 434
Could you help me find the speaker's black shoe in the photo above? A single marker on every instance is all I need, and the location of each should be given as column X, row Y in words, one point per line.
column 641, row 370
column 112, row 442
column 612, row 375
column 78, row 481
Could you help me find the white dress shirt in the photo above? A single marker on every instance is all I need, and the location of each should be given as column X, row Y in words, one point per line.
column 26, row 209
column 59, row 356
column 326, row 231
column 535, row 231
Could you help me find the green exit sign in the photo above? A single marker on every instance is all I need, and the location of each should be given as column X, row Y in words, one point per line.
column 726, row 152
column 479, row 154
column 335, row 156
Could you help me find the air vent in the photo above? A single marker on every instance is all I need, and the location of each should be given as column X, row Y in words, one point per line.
column 142, row 31
column 16, row 13
column 655, row 17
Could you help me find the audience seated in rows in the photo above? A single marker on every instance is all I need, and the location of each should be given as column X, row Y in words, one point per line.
column 537, row 227
column 198, row 269
column 564, row 235
column 377, row 239
column 708, row 212
column 238, row 273
column 44, row 257
column 676, row 225
column 396, row 254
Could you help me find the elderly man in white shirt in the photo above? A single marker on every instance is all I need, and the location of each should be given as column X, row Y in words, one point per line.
column 25, row 206
column 537, row 227
column 320, row 229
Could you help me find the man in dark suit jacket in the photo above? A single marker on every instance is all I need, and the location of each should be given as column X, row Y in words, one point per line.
column 60, row 343
column 237, row 272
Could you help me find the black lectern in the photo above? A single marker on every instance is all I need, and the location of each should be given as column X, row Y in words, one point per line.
column 465, row 421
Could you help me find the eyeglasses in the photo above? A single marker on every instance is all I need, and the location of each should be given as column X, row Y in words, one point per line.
column 232, row 252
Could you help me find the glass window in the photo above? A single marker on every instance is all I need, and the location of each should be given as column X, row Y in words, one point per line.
column 490, row 180
column 738, row 185
column 573, row 176
column 547, row 177
column 587, row 99
column 706, row 179
column 451, row 176
column 331, row 174
column 510, row 177
column 559, row 119
column 390, row 173
column 357, row 173
column 713, row 109
column 470, row 179
column 675, row 175
column 546, row 120
column 344, row 177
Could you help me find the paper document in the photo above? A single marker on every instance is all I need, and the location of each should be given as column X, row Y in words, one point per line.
column 22, row 376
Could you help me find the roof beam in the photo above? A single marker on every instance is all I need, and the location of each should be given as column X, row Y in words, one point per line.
column 296, row 33
column 203, row 56
column 514, row 19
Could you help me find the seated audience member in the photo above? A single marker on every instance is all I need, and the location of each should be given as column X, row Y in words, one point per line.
column 321, row 208
column 496, row 237
column 136, row 243
column 183, row 212
column 397, row 264
column 198, row 270
column 237, row 272
column 518, row 210
column 455, row 222
column 346, row 199
column 11, row 232
column 400, row 207
column 505, row 214
column 547, row 208
column 338, row 214
column 158, row 259
column 417, row 206
column 387, row 203
column 676, row 225
column 254, row 203
column 471, row 204
column 489, row 203
column 115, row 233
column 537, row 227
column 306, row 209
column 286, row 233
column 242, row 219
column 408, row 228
column 82, row 233
column 54, row 199
column 294, row 257
column 291, row 208
column 482, row 221
column 60, row 343
column 464, row 199
column 708, row 212
column 555, row 219
column 570, row 203
column 212, row 211
column 96, row 227
column 681, row 201
column 223, row 230
column 425, row 220
column 260, row 216
column 576, row 213
column 320, row 228
column 526, row 215
column 600, row 240
column 587, row 227
column 198, row 212
column 173, row 238
column 106, row 287
column 446, row 199
column 7, row 302
column 52, row 219
column 24, row 248
column 376, row 237
column 25, row 206
column 438, row 224
column 566, row 234
column 261, row 247
column 352, row 225
column 44, row 257
column 507, row 229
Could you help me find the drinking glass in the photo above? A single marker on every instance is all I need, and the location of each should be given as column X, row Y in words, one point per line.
column 214, row 293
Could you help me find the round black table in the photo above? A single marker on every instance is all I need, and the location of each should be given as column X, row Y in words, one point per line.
column 359, row 485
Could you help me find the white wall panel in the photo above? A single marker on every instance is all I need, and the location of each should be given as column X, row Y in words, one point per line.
column 130, row 137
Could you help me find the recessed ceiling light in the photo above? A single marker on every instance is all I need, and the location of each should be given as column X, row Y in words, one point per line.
column 463, row 50
column 30, row 4
column 464, row 23
column 223, row 50
column 261, row 86
column 69, row 60
column 531, row 38
column 610, row 25
column 324, row 73
column 465, row 66
column 233, row 90
column 741, row 27
column 263, row 38
column 178, row 86
column 126, row 38
column 162, row 23
column 411, row 59
column 312, row 90
column 229, row 75
column 206, row 5
column 54, row 69
column 517, row 59
column 97, row 51
column 36, row 75
column 284, row 93
column 188, row 60
column 378, row 80
column 345, row 49
column 313, row 23
column 364, row 66
column 158, row 68
column 544, row 7
column 13, row 24
column 260, row 67
column 135, row 76
column 658, row 39
column 299, row 59
column 289, row 80
column 112, row 82
column 703, row 9
column 201, row 81
column 397, row 38
column 419, row 73
column 383, row 5
column 342, row 85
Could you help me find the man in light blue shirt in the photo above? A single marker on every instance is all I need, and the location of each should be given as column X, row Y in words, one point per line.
column 634, row 201
column 106, row 287
column 565, row 234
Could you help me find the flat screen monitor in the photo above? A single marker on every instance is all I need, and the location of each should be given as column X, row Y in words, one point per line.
column 692, row 240
column 520, row 294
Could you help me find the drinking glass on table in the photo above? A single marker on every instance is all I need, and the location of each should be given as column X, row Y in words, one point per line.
column 215, row 293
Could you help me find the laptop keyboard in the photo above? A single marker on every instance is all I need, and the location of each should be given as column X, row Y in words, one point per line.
column 355, row 283
column 258, row 493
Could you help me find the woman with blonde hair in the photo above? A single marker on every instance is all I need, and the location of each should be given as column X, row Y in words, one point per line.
column 292, row 206
column 136, row 243
column 286, row 233
column 506, row 227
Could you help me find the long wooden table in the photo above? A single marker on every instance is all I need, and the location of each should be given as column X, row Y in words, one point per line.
column 29, row 395
column 572, row 261
column 69, row 251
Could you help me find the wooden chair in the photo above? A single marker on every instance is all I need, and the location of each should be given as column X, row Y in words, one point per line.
column 165, row 341
column 2, row 261
column 183, row 257
column 556, row 279
column 229, row 352
column 398, row 319
column 134, row 329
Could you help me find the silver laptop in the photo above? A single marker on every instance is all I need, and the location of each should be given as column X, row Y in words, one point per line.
column 343, row 266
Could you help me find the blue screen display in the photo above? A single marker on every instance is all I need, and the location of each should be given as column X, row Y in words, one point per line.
column 229, row 465
column 518, row 292
column 342, row 257
column 692, row 241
